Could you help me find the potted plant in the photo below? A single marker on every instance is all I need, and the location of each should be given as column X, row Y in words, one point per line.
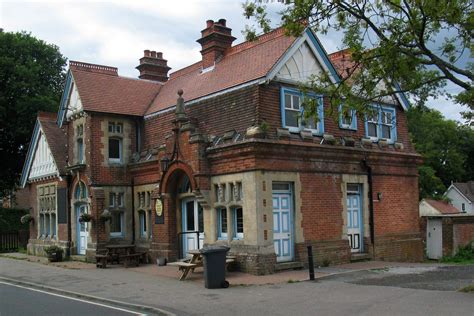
column 55, row 253
column 106, row 215
column 85, row 218
column 26, row 219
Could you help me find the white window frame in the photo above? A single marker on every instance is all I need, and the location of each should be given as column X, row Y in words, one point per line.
column 319, row 126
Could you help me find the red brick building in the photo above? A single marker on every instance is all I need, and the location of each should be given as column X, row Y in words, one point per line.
column 219, row 152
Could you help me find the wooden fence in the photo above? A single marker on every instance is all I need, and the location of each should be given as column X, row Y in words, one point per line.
column 12, row 241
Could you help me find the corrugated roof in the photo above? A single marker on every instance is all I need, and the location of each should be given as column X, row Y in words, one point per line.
column 442, row 207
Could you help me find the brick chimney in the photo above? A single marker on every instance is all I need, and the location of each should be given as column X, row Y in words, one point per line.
column 153, row 66
column 215, row 39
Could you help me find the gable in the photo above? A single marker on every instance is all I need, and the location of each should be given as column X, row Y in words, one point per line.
column 40, row 162
column 301, row 65
column 43, row 162
column 74, row 103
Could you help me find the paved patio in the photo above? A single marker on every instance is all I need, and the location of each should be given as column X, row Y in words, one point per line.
column 234, row 278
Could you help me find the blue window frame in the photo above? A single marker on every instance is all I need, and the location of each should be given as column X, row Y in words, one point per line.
column 143, row 227
column 222, row 223
column 238, row 222
column 292, row 112
column 347, row 118
column 381, row 124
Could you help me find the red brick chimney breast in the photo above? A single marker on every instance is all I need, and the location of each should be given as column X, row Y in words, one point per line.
column 215, row 39
column 153, row 66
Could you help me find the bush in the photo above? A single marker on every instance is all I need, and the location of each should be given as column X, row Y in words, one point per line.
column 53, row 249
column 10, row 219
column 465, row 254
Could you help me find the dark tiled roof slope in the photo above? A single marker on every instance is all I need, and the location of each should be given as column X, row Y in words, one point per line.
column 466, row 188
column 56, row 138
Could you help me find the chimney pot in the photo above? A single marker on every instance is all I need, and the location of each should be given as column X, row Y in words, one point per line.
column 153, row 67
column 215, row 40
column 146, row 53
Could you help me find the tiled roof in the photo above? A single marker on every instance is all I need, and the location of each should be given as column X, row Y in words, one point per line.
column 442, row 207
column 342, row 62
column 56, row 138
column 242, row 63
column 466, row 188
column 110, row 93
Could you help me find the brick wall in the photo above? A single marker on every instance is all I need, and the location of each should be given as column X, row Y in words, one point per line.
column 269, row 111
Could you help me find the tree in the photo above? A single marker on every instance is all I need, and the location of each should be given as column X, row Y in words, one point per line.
column 412, row 45
column 446, row 147
column 31, row 80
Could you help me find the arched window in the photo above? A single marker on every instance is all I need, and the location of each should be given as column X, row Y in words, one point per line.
column 185, row 186
column 81, row 191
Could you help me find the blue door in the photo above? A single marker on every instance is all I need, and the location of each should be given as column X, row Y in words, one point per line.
column 282, row 226
column 354, row 218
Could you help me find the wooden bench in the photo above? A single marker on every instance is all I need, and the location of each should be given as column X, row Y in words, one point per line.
column 101, row 258
column 184, row 267
column 131, row 258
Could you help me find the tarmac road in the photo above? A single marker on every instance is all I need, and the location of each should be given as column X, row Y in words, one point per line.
column 443, row 278
column 19, row 300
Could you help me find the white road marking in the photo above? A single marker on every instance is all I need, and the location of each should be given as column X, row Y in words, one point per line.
column 74, row 299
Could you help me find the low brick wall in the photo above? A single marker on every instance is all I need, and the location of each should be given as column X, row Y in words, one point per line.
column 399, row 247
column 324, row 252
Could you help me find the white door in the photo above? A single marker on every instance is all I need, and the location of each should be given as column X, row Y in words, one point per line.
column 81, row 231
column 354, row 218
column 434, row 238
column 282, row 227
column 193, row 221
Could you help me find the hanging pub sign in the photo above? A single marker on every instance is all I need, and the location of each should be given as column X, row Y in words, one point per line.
column 159, row 218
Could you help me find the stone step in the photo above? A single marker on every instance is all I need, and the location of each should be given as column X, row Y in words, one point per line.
column 78, row 258
column 357, row 257
column 293, row 265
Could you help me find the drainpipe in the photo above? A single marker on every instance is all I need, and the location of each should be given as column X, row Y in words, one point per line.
column 70, row 211
column 371, row 205
column 133, row 211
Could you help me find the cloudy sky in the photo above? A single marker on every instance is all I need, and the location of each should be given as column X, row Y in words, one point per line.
column 115, row 33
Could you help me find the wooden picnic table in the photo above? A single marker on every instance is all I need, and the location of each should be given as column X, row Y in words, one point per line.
column 194, row 262
column 127, row 253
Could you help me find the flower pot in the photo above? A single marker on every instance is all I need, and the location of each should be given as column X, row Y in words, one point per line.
column 55, row 256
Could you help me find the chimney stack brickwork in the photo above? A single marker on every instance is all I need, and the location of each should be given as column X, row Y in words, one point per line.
column 153, row 66
column 215, row 39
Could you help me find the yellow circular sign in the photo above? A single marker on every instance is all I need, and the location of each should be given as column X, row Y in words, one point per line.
column 158, row 207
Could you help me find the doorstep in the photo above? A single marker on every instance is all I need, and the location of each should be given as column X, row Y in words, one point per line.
column 293, row 265
column 357, row 257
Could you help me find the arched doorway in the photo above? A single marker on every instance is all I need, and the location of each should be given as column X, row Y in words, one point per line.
column 192, row 219
column 81, row 207
column 186, row 214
